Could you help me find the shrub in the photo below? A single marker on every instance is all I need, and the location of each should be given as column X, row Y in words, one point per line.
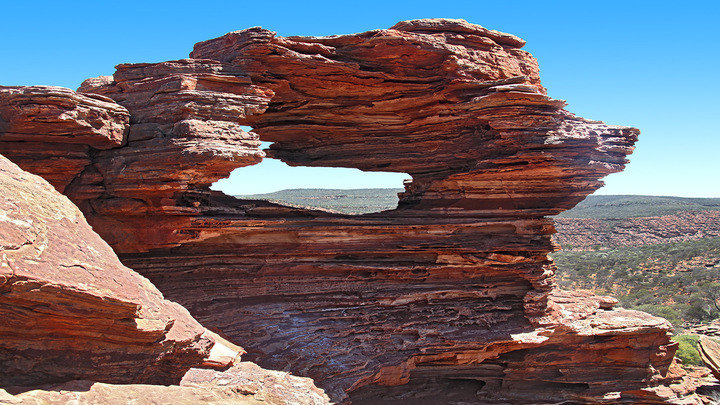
column 663, row 279
column 687, row 351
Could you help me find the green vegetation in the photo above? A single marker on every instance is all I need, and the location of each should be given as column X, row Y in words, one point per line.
column 688, row 350
column 631, row 206
column 357, row 201
column 678, row 281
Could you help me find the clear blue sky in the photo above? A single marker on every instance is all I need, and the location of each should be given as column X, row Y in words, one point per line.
column 652, row 65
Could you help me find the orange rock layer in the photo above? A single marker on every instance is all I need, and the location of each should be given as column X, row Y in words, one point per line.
column 448, row 298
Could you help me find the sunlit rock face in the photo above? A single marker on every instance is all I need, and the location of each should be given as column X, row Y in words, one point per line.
column 244, row 383
column 448, row 298
column 69, row 309
column 50, row 130
column 71, row 313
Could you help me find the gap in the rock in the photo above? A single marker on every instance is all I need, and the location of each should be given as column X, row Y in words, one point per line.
column 337, row 189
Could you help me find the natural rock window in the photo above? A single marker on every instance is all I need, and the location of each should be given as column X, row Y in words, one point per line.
column 335, row 189
column 451, row 298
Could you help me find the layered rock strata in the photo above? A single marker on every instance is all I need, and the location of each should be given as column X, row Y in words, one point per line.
column 50, row 130
column 448, row 298
column 710, row 354
column 70, row 309
column 458, row 107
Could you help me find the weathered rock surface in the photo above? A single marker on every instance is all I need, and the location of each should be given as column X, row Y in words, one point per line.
column 50, row 130
column 70, row 309
column 459, row 109
column 450, row 298
column 244, row 383
column 185, row 133
column 710, row 354
column 708, row 329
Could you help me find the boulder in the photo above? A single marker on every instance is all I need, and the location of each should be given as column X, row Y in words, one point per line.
column 69, row 309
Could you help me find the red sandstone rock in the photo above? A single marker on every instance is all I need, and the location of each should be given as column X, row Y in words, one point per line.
column 465, row 115
column 710, row 354
column 69, row 309
column 449, row 298
column 49, row 130
column 245, row 383
column 58, row 115
column 185, row 133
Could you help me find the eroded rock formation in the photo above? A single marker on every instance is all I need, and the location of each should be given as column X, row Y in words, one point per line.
column 70, row 309
column 710, row 354
column 72, row 313
column 50, row 131
column 450, row 297
column 245, row 383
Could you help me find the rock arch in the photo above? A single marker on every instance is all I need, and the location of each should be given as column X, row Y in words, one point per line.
column 451, row 292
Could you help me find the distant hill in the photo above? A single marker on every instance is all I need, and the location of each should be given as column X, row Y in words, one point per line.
column 355, row 201
column 633, row 206
column 359, row 201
